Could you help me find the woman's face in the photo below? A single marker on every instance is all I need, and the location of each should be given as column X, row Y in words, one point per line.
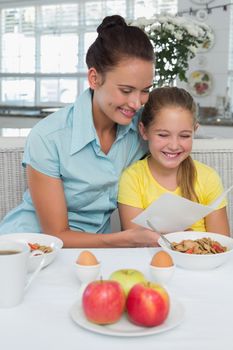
column 123, row 90
column 170, row 137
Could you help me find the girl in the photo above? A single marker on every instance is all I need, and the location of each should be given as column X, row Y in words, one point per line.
column 168, row 124
column 74, row 157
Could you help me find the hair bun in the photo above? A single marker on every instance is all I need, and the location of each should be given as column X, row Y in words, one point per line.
column 111, row 21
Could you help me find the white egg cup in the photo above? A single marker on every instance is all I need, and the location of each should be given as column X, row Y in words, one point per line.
column 162, row 274
column 87, row 273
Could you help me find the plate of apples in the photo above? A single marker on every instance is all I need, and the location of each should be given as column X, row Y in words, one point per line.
column 120, row 307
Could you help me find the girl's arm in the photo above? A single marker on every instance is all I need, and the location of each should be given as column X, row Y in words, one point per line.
column 49, row 200
column 127, row 213
column 217, row 222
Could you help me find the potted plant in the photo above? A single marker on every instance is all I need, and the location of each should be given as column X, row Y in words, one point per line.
column 176, row 40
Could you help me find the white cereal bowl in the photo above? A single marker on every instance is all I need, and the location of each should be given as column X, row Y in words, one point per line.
column 162, row 274
column 43, row 239
column 87, row 273
column 196, row 261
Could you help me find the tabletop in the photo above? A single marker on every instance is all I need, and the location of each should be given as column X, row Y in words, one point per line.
column 43, row 321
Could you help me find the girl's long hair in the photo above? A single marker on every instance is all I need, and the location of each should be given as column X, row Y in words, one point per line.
column 167, row 97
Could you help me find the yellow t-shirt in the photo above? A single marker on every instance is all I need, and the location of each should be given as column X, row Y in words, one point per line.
column 139, row 189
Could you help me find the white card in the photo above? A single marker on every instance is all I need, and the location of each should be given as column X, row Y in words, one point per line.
column 171, row 213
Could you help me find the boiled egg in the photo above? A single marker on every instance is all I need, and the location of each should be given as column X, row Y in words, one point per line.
column 162, row 259
column 86, row 258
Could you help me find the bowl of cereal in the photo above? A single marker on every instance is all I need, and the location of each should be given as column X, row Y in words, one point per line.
column 198, row 250
column 49, row 245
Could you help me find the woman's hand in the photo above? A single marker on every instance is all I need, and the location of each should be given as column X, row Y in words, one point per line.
column 142, row 237
column 135, row 237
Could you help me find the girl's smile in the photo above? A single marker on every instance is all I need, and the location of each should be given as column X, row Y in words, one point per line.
column 171, row 155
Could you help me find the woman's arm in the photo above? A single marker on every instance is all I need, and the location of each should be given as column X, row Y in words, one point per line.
column 217, row 222
column 49, row 200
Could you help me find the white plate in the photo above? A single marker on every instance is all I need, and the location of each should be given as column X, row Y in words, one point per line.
column 124, row 328
column 200, row 83
column 207, row 44
column 41, row 239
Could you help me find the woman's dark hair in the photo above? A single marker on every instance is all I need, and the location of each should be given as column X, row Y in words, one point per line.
column 174, row 97
column 115, row 41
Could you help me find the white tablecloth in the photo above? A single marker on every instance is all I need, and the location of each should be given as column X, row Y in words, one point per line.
column 43, row 321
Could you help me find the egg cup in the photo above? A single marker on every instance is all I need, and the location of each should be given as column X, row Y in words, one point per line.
column 162, row 274
column 87, row 273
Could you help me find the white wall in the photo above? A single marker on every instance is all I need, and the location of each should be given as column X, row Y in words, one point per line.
column 216, row 59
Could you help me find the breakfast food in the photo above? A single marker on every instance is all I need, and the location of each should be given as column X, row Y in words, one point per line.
column 103, row 301
column 127, row 278
column 43, row 248
column 199, row 246
column 162, row 259
column 87, row 258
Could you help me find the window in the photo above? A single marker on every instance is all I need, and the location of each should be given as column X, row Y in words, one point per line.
column 42, row 47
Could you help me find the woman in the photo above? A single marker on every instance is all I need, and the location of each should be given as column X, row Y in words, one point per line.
column 74, row 157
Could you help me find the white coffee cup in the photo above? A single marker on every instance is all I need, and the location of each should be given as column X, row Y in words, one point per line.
column 14, row 259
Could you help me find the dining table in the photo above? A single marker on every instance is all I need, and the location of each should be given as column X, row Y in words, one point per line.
column 43, row 320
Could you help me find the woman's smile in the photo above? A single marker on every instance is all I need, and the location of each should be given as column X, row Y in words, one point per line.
column 128, row 113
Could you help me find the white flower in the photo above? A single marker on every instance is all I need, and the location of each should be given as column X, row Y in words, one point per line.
column 192, row 30
column 178, row 35
column 175, row 40
column 169, row 26
column 193, row 49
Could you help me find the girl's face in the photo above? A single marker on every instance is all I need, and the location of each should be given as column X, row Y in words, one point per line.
column 122, row 91
column 170, row 137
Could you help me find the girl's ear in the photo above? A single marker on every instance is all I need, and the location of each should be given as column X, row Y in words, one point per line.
column 142, row 131
column 93, row 78
column 196, row 126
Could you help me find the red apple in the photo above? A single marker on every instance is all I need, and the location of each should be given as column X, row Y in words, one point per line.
column 127, row 278
column 147, row 304
column 103, row 301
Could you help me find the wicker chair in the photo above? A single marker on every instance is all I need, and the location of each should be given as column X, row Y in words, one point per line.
column 12, row 174
column 217, row 153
